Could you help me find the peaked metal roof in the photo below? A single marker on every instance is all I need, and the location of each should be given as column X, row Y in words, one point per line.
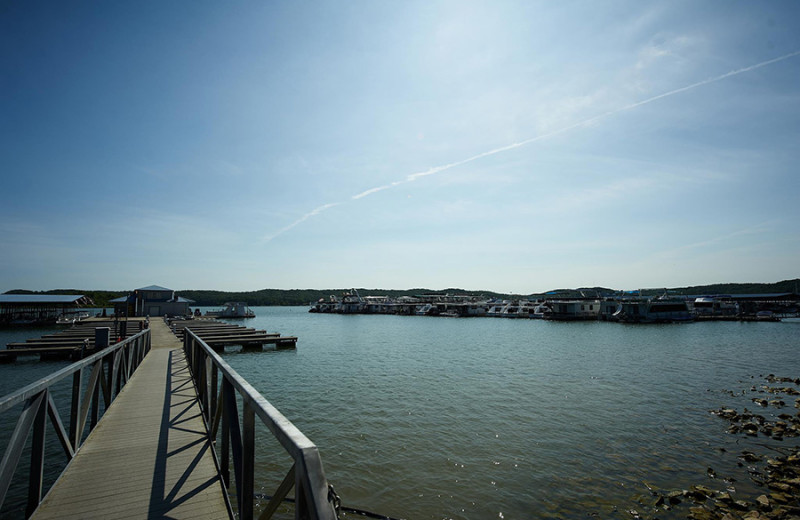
column 153, row 288
column 40, row 298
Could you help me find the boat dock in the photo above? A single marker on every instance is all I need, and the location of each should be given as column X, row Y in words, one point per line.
column 81, row 340
column 168, row 424
column 74, row 342
column 218, row 335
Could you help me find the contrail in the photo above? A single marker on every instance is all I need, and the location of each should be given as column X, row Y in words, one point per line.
column 437, row 169
column 305, row 217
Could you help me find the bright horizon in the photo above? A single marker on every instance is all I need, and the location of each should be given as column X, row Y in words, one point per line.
column 513, row 147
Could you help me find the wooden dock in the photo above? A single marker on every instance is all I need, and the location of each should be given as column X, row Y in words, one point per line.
column 149, row 456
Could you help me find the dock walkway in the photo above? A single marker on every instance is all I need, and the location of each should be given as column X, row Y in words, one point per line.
column 149, row 456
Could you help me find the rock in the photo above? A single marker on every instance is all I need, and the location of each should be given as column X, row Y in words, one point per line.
column 780, row 486
column 699, row 493
column 763, row 502
column 781, row 498
column 741, row 505
column 711, row 473
column 674, row 497
column 701, row 513
column 749, row 456
column 750, row 429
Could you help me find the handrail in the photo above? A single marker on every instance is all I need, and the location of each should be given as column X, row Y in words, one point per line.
column 313, row 497
column 111, row 368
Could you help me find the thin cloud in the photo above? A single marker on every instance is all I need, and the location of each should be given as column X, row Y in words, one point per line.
column 586, row 122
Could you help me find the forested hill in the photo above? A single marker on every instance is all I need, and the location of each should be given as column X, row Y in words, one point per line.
column 786, row 286
column 305, row 296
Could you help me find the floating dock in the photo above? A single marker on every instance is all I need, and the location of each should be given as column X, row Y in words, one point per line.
column 218, row 335
column 75, row 342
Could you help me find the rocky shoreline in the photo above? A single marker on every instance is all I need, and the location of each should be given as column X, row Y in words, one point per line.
column 774, row 467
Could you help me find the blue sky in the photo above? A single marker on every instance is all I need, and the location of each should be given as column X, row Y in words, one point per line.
column 506, row 146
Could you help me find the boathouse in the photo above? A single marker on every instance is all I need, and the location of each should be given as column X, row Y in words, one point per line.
column 152, row 300
column 25, row 309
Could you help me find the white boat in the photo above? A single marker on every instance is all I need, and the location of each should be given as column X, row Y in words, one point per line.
column 496, row 310
column 510, row 311
column 425, row 310
column 71, row 318
column 568, row 310
column 711, row 306
column 541, row 311
column 233, row 310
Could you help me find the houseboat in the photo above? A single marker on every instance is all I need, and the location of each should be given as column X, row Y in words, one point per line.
column 571, row 310
column 233, row 310
column 653, row 311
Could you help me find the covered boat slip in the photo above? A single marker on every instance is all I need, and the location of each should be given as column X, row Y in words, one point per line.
column 218, row 335
column 150, row 456
column 25, row 309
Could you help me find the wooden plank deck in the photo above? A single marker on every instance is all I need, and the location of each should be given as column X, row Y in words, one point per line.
column 149, row 456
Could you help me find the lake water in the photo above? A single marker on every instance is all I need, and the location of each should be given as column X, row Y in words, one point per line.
column 431, row 418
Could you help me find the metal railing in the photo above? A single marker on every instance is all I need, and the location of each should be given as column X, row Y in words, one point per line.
column 313, row 496
column 111, row 368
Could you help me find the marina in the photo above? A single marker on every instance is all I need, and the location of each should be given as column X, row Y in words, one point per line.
column 616, row 308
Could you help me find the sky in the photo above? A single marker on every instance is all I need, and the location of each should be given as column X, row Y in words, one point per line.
column 503, row 146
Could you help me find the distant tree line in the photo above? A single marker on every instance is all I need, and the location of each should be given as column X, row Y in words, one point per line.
column 266, row 297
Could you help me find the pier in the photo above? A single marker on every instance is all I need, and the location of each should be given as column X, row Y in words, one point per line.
column 218, row 335
column 156, row 431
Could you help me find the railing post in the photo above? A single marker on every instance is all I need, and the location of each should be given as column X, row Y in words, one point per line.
column 96, row 399
column 248, row 460
column 300, row 498
column 203, row 382
column 109, row 361
column 214, row 391
column 37, row 457
column 225, row 464
column 74, row 434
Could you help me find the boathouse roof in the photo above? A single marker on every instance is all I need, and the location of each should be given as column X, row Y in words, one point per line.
column 153, row 288
column 41, row 298
column 123, row 299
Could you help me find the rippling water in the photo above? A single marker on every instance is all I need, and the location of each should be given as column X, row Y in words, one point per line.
column 428, row 418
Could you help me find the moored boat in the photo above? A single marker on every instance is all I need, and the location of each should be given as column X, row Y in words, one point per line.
column 653, row 311
column 233, row 310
